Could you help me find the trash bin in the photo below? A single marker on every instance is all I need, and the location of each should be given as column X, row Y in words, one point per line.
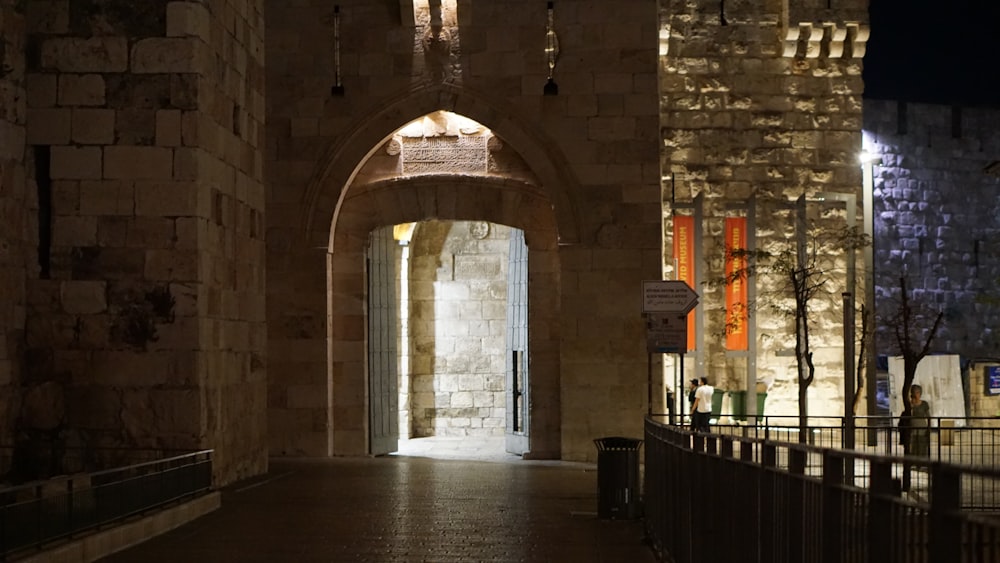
column 618, row 478
column 738, row 400
column 717, row 404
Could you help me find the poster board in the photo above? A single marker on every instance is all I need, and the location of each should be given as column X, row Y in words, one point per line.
column 941, row 380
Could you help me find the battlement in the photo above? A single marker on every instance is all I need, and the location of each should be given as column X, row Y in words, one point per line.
column 934, row 125
column 827, row 39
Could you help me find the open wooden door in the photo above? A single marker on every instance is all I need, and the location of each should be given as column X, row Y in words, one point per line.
column 383, row 394
column 517, row 393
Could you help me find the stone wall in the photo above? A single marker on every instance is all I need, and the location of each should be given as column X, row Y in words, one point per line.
column 937, row 200
column 149, row 326
column 17, row 229
column 761, row 104
column 458, row 301
column 592, row 153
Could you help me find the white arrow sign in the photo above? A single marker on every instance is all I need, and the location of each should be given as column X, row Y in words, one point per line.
column 668, row 296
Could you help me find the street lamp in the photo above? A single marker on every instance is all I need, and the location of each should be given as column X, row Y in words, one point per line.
column 868, row 162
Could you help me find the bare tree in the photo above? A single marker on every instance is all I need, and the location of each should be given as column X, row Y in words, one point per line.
column 867, row 327
column 802, row 270
column 907, row 327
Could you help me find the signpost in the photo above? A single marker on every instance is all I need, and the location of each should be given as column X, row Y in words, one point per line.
column 665, row 304
column 668, row 296
column 666, row 333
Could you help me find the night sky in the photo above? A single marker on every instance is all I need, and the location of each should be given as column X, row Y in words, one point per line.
column 935, row 51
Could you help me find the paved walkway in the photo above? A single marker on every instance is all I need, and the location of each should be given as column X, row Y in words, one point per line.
column 436, row 501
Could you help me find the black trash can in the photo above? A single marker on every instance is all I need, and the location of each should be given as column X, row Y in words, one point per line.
column 618, row 478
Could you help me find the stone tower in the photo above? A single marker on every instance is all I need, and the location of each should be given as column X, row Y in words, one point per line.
column 761, row 105
column 140, row 182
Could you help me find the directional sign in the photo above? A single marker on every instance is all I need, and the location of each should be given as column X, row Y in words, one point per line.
column 668, row 296
column 666, row 333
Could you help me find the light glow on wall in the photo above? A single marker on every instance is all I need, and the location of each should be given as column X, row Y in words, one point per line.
column 442, row 123
column 435, row 13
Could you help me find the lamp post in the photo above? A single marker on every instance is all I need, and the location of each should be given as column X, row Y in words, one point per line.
column 868, row 162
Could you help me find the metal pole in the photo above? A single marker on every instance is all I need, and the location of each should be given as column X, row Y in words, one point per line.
column 867, row 202
column 683, row 406
column 649, row 374
column 849, row 382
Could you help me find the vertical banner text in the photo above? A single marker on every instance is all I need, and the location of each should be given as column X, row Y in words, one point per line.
column 684, row 259
column 736, row 286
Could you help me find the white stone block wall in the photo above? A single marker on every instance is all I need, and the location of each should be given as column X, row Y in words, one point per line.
column 457, row 325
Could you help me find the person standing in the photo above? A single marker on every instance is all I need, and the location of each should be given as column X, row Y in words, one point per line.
column 701, row 410
column 919, row 423
column 691, row 391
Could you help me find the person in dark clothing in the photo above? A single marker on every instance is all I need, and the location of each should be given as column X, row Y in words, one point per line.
column 691, row 391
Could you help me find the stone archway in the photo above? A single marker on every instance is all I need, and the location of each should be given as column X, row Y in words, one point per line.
column 444, row 197
column 543, row 207
column 344, row 158
column 316, row 403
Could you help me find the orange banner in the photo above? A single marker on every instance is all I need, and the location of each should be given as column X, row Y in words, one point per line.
column 684, row 260
column 736, row 289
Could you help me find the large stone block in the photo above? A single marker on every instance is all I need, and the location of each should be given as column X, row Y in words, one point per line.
column 84, row 297
column 76, row 163
column 109, row 197
column 81, row 90
column 167, row 199
column 41, row 90
column 137, row 163
column 158, row 55
column 93, row 126
column 91, row 54
column 72, row 231
column 49, row 126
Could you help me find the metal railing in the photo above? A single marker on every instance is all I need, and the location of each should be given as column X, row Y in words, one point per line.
column 35, row 515
column 964, row 441
column 721, row 497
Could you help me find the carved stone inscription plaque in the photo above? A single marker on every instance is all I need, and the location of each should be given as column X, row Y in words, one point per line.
column 430, row 155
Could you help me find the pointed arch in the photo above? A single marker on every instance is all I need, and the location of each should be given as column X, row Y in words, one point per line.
column 331, row 181
column 454, row 198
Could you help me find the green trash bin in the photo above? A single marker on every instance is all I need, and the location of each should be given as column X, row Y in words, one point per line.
column 738, row 400
column 717, row 403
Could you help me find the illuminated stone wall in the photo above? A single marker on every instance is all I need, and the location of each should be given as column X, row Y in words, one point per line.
column 457, row 319
column 937, row 200
column 763, row 101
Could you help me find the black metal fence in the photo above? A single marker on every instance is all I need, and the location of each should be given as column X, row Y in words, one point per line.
column 965, row 440
column 725, row 497
column 36, row 515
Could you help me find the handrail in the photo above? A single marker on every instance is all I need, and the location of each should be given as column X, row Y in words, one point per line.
column 35, row 515
column 788, row 501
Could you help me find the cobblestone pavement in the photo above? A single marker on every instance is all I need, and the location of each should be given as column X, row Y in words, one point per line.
column 406, row 508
